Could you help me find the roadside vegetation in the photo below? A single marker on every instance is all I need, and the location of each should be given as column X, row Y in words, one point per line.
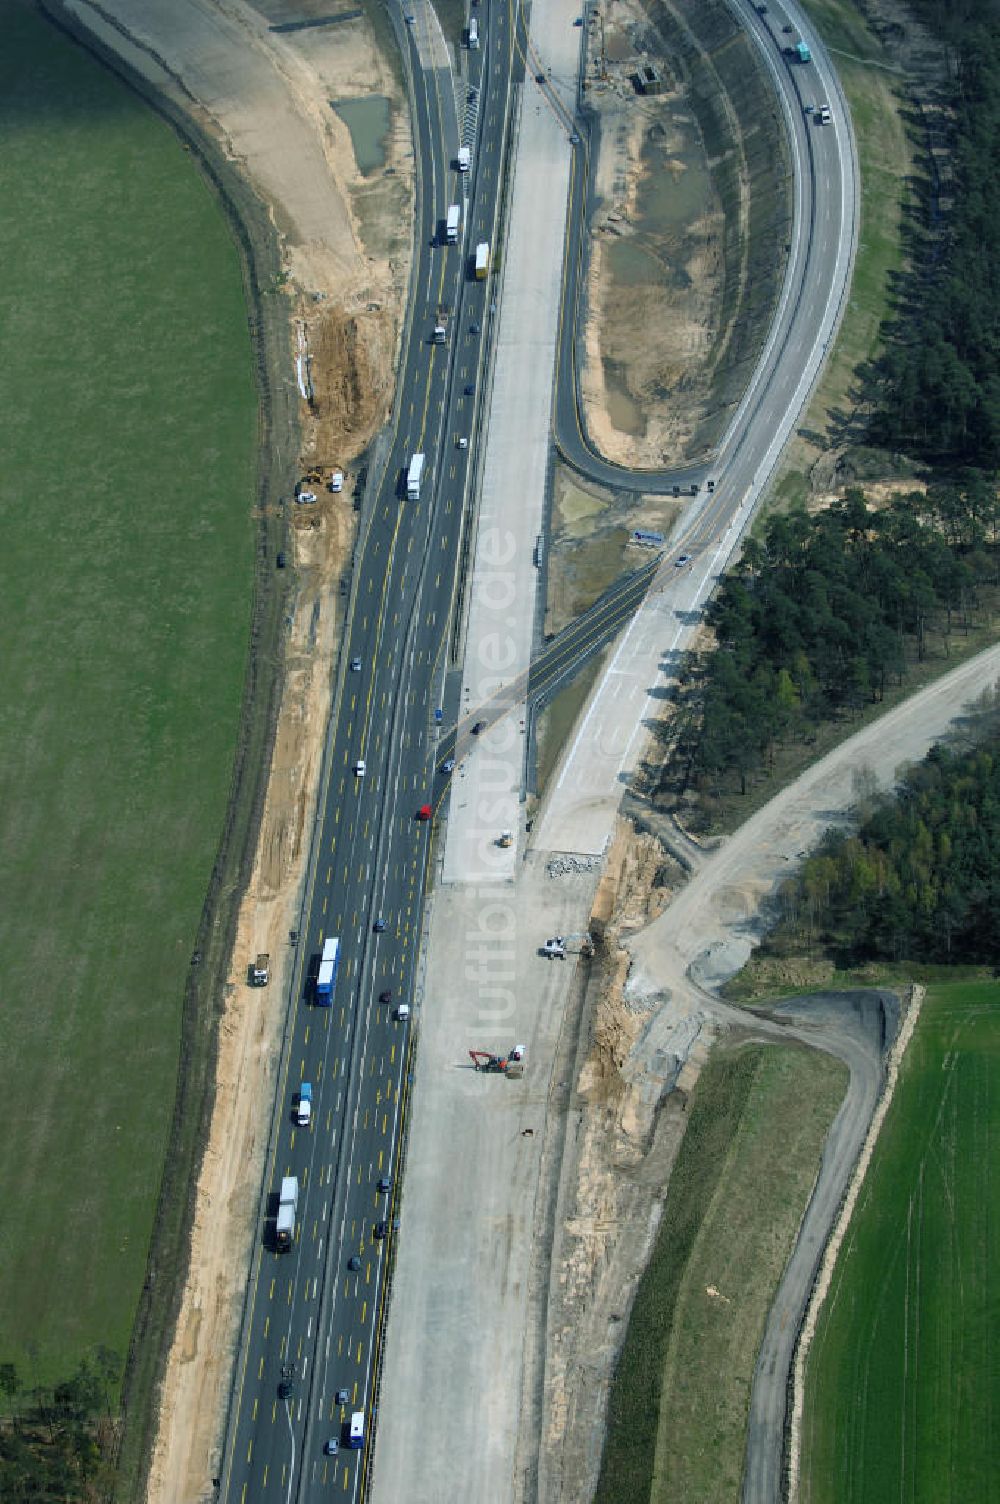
column 679, row 1401
column 876, row 95
column 129, row 420
column 935, row 391
column 903, row 1387
column 920, row 878
column 824, row 617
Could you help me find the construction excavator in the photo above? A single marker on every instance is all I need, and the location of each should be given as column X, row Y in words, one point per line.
column 510, row 1065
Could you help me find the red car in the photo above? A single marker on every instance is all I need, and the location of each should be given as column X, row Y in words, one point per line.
column 424, row 812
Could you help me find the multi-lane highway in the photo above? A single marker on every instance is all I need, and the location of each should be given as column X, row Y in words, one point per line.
column 312, row 1313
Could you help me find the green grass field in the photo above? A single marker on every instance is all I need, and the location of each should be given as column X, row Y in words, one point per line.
column 128, row 426
column 678, row 1410
column 903, row 1385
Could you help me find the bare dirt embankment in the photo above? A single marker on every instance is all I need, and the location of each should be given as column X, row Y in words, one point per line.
column 620, row 1143
column 345, row 250
column 689, row 215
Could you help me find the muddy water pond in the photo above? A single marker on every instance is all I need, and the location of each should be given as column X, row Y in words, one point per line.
column 368, row 121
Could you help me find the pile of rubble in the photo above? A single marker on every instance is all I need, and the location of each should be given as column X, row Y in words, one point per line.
column 561, row 865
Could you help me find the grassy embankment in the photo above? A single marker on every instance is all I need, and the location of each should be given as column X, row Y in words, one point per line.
column 677, row 1421
column 129, row 424
column 885, row 154
column 903, row 1386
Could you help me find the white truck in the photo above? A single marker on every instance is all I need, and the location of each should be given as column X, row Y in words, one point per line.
column 288, row 1205
column 473, row 34
column 260, row 971
column 414, row 477
column 452, row 224
column 464, row 159
column 482, row 261
column 440, row 335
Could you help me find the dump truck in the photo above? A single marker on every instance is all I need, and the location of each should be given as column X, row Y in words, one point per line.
column 414, row 477
column 482, row 260
column 326, row 977
column 304, row 1105
column 288, row 1205
column 260, row 971
column 441, row 325
column 452, row 224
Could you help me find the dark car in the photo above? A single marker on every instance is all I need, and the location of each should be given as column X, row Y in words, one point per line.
column 386, row 996
column 448, row 766
column 539, row 78
column 473, row 327
column 385, row 1184
column 354, row 1263
column 379, row 925
column 478, row 727
column 287, row 1385
column 281, row 560
column 469, row 389
column 380, row 1230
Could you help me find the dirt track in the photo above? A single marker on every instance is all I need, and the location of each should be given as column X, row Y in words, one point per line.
column 704, row 937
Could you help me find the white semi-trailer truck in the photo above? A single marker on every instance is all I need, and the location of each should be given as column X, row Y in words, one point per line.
column 288, row 1205
column 414, row 477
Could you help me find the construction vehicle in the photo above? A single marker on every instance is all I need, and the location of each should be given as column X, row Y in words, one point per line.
column 482, row 260
column 440, row 336
column 288, row 1204
column 510, row 1065
column 452, row 223
column 560, row 946
column 260, row 971
column 505, row 839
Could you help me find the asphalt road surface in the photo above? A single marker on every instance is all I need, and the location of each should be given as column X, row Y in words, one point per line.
column 824, row 173
column 311, row 1318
